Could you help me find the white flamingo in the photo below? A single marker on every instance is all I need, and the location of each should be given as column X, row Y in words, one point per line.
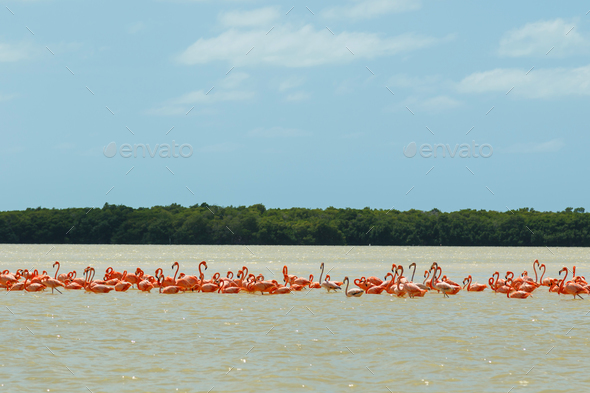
column 354, row 292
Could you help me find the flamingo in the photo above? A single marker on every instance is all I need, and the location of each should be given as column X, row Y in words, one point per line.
column 132, row 278
column 422, row 286
column 52, row 283
column 146, row 285
column 374, row 280
column 412, row 289
column 570, row 287
column 222, row 289
column 73, row 285
column 446, row 288
column 171, row 281
column 286, row 272
column 362, row 283
column 517, row 294
column 7, row 277
column 170, row 289
column 377, row 289
column 300, row 281
column 265, row 286
column 123, row 285
column 314, row 285
column 110, row 274
column 475, row 287
column 353, row 292
column 62, row 277
column 279, row 290
column 17, row 286
column 328, row 278
column 327, row 284
column 92, row 286
column 207, row 287
column 34, row 287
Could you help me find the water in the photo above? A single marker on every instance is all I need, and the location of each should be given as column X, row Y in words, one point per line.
column 137, row 342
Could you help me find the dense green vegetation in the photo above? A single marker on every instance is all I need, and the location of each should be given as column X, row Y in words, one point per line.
column 204, row 224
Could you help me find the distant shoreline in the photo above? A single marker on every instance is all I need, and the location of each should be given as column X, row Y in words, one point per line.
column 255, row 225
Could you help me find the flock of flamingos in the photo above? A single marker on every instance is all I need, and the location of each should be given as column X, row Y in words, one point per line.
column 394, row 282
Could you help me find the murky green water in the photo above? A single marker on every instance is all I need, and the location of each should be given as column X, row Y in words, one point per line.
column 137, row 342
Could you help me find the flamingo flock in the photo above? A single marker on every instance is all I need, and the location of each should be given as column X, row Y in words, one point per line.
column 393, row 283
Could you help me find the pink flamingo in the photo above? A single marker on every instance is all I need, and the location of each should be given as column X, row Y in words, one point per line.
column 475, row 287
column 123, row 285
column 222, row 289
column 570, row 287
column 54, row 283
column 170, row 289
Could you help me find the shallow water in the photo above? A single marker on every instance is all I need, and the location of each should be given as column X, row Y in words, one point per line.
column 137, row 342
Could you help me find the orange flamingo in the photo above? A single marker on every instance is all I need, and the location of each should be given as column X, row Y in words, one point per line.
column 34, row 287
column 222, row 289
column 62, row 277
column 171, row 281
column 570, row 287
column 517, row 294
column 314, row 285
column 123, row 285
column 168, row 290
column 53, row 283
column 92, row 286
column 146, row 285
column 286, row 272
column 475, row 287
column 446, row 288
column 207, row 286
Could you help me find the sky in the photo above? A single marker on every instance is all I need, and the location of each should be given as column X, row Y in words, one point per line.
column 332, row 103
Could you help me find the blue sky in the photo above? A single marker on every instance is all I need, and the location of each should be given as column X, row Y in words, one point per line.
column 291, row 106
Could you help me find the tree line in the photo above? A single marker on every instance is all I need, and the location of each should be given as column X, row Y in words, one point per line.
column 209, row 224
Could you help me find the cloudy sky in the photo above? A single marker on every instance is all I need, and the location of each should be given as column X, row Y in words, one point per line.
column 295, row 104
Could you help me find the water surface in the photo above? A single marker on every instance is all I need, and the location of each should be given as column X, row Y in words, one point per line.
column 138, row 342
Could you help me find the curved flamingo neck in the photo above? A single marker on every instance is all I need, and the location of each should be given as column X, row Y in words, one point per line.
column 56, row 263
column 564, row 279
column 177, row 268
column 201, row 264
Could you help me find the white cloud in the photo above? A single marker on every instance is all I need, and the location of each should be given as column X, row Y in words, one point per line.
column 297, row 96
column 536, row 39
column 182, row 104
column 6, row 97
column 290, row 83
column 539, row 83
column 438, row 104
column 201, row 97
column 365, row 9
column 261, row 17
column 299, row 47
column 544, row 147
column 11, row 53
column 277, row 132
